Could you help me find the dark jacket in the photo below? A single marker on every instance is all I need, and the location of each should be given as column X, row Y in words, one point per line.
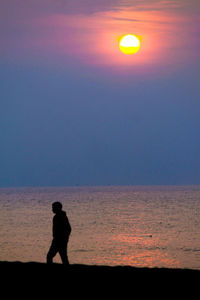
column 61, row 226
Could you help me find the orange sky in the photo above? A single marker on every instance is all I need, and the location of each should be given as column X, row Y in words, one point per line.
column 168, row 35
column 68, row 90
column 94, row 39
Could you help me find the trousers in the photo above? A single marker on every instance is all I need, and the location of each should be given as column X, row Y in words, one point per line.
column 58, row 246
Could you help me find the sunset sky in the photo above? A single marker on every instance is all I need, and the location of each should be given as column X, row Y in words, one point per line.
column 75, row 110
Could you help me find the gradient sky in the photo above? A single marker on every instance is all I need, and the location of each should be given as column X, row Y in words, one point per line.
column 75, row 110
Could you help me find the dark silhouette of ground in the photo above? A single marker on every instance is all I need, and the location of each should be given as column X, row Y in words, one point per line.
column 97, row 281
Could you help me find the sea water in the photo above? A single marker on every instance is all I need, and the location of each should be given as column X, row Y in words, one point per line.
column 142, row 226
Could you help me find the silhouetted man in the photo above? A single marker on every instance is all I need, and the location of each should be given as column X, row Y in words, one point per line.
column 61, row 232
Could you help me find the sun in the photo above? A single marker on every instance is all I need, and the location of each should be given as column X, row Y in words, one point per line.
column 129, row 44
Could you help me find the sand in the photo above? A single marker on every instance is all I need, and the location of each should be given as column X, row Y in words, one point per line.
column 34, row 279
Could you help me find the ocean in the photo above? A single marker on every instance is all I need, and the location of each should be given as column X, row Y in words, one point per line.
column 141, row 226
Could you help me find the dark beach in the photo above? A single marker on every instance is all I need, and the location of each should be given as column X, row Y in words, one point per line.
column 58, row 278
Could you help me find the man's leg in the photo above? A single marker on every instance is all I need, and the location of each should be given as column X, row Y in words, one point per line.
column 52, row 252
column 63, row 254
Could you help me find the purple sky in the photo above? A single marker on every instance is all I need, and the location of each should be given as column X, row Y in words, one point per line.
column 76, row 110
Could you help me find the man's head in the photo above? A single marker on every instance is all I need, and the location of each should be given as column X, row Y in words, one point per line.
column 56, row 207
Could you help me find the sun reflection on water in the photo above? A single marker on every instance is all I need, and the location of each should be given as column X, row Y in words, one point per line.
column 147, row 251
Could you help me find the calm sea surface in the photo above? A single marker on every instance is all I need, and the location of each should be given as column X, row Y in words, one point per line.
column 138, row 226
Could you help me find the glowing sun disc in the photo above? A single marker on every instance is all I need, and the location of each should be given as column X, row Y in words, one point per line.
column 129, row 44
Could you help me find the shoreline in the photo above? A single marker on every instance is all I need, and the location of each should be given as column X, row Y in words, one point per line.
column 93, row 280
column 98, row 268
column 105, row 270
